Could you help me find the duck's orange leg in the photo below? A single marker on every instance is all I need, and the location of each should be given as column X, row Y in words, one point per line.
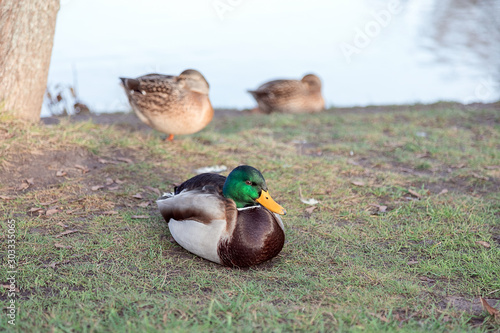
column 170, row 138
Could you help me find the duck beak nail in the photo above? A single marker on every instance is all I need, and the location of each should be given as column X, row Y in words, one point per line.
column 267, row 201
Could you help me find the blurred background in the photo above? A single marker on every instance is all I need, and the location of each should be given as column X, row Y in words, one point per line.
column 366, row 52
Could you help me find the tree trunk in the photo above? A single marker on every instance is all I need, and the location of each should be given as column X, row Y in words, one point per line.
column 26, row 37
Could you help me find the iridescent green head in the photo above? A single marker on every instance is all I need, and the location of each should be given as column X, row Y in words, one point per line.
column 246, row 186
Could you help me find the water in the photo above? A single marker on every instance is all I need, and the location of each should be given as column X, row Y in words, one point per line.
column 366, row 52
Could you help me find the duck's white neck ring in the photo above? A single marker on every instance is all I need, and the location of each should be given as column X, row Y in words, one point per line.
column 250, row 207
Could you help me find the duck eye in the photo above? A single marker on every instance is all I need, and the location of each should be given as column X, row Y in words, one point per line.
column 248, row 182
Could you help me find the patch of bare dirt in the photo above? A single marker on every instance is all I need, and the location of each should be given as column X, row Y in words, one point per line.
column 470, row 184
column 462, row 185
column 472, row 306
column 44, row 169
column 40, row 170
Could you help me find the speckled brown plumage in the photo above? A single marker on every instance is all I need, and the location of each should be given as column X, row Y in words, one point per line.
column 290, row 96
column 171, row 104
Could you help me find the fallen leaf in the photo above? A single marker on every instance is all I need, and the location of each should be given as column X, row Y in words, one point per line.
column 310, row 209
column 110, row 212
column 30, row 181
column 414, row 193
column 412, row 262
column 51, row 212
column 48, row 203
column 460, row 166
column 426, row 279
column 119, row 181
column 67, row 232
column 358, row 182
column 62, row 224
column 53, row 264
column 443, row 191
column 491, row 310
column 381, row 209
column 103, row 161
column 155, row 190
column 492, row 167
column 485, row 244
column 7, row 286
column 424, row 155
column 475, row 175
column 23, row 186
column 61, row 246
column 61, row 173
column 109, row 181
column 36, row 210
column 96, row 187
column 114, row 188
column 139, row 217
column 84, row 169
column 381, row 317
column 5, row 197
column 143, row 204
column 137, row 196
column 124, row 159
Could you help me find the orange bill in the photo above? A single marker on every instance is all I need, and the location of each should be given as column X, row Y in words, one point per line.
column 268, row 202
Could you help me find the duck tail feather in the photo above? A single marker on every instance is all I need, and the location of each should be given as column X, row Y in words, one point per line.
column 166, row 196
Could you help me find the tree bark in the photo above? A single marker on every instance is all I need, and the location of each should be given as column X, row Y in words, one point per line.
column 26, row 38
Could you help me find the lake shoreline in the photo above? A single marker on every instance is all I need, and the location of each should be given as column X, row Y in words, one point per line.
column 131, row 119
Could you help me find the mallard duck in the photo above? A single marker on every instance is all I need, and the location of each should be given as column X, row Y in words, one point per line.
column 232, row 221
column 290, row 96
column 171, row 104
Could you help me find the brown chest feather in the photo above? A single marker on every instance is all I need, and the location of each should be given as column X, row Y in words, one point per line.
column 257, row 237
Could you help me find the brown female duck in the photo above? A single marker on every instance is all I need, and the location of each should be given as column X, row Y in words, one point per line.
column 171, row 104
column 290, row 96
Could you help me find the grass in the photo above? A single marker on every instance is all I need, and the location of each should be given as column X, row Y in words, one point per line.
column 349, row 265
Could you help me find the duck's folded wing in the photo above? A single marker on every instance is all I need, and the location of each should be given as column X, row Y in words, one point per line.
column 197, row 205
column 201, row 180
column 150, row 83
column 279, row 89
